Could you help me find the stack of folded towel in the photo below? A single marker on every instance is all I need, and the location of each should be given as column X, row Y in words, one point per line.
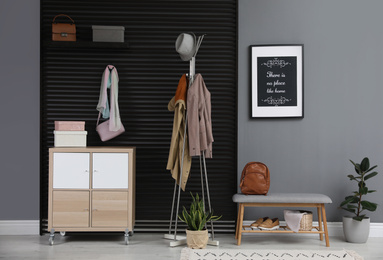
column 293, row 218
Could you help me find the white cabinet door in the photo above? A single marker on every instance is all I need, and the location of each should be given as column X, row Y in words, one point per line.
column 110, row 170
column 71, row 170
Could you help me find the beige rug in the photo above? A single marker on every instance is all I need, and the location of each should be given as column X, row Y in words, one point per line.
column 254, row 254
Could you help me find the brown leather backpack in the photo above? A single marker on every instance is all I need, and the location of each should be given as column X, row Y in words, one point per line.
column 255, row 179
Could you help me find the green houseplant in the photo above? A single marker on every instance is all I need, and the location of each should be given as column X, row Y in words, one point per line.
column 356, row 229
column 196, row 219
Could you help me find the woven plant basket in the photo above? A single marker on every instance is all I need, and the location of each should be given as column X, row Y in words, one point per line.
column 197, row 239
column 306, row 221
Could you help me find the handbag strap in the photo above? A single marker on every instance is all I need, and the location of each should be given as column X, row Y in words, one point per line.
column 98, row 119
column 62, row 15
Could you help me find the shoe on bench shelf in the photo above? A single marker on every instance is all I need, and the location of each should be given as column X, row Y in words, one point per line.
column 270, row 224
column 259, row 221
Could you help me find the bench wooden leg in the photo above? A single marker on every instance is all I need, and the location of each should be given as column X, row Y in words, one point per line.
column 240, row 223
column 237, row 226
column 325, row 225
column 320, row 222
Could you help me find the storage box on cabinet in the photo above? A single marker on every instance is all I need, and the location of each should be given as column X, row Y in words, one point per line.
column 70, row 138
column 70, row 125
column 91, row 189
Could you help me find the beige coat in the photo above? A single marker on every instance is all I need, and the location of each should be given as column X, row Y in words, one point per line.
column 199, row 118
column 178, row 105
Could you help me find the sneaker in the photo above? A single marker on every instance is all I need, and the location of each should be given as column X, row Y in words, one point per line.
column 270, row 224
column 259, row 221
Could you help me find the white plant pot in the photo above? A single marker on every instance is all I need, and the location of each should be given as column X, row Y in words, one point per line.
column 356, row 231
column 197, row 239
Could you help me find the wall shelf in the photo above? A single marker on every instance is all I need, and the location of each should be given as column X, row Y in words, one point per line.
column 86, row 44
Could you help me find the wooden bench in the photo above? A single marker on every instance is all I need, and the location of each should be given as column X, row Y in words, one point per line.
column 282, row 200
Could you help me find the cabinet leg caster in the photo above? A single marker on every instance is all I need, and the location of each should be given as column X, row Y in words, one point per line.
column 131, row 233
column 127, row 236
column 62, row 233
column 52, row 237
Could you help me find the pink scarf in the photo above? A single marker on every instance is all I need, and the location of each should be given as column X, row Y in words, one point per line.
column 110, row 80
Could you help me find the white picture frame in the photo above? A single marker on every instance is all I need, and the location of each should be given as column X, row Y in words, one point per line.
column 276, row 81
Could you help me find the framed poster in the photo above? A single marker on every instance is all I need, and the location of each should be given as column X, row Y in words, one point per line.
column 276, row 81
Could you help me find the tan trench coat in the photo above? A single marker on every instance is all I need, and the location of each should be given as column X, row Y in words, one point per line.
column 178, row 105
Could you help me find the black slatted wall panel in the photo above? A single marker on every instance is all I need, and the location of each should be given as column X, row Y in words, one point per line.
column 149, row 70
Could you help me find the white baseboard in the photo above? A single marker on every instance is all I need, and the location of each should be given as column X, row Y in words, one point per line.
column 19, row 227
column 335, row 229
column 31, row 227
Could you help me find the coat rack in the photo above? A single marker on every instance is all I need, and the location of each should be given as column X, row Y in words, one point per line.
column 181, row 240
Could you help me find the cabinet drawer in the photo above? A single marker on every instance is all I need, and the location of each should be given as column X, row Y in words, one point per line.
column 109, row 208
column 71, row 208
column 110, row 170
column 71, row 170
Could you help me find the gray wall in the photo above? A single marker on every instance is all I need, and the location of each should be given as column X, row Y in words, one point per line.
column 19, row 106
column 343, row 44
column 343, row 91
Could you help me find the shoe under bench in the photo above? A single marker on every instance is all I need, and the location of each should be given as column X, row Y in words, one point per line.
column 301, row 200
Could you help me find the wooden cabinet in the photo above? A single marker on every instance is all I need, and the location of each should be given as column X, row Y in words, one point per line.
column 91, row 189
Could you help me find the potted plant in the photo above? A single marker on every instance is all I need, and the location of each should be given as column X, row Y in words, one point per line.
column 356, row 228
column 196, row 219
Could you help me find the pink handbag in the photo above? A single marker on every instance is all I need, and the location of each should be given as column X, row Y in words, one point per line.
column 104, row 132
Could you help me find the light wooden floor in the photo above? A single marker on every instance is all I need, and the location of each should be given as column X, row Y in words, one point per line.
column 144, row 246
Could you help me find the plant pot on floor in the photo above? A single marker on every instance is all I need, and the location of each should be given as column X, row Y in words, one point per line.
column 356, row 231
column 197, row 239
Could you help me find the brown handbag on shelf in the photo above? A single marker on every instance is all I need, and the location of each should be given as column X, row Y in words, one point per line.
column 63, row 31
column 255, row 179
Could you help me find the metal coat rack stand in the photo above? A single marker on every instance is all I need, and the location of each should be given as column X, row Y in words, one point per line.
column 181, row 240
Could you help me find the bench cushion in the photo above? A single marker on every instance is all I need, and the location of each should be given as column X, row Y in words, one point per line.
column 282, row 198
